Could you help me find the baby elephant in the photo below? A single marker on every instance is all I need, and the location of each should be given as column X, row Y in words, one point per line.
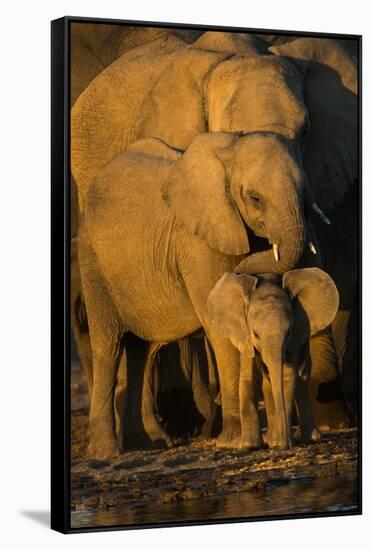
column 275, row 316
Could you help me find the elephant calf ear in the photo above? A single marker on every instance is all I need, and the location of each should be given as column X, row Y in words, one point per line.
column 198, row 195
column 227, row 305
column 330, row 93
column 315, row 293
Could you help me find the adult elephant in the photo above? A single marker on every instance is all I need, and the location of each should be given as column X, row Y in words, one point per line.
column 175, row 91
column 93, row 48
column 304, row 90
column 148, row 267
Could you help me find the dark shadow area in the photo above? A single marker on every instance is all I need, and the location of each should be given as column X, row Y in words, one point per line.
column 42, row 517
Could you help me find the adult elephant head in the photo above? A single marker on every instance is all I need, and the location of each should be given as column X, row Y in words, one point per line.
column 302, row 93
column 227, row 181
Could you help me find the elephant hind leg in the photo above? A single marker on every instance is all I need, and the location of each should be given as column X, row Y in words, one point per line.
column 152, row 426
column 106, row 346
column 211, row 391
column 142, row 428
column 195, row 360
column 120, row 397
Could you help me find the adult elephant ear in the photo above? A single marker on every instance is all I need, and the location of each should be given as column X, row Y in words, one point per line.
column 330, row 93
column 197, row 193
column 227, row 305
column 315, row 300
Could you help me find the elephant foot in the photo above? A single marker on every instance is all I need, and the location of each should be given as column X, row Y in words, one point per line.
column 147, row 439
column 268, row 438
column 307, row 436
column 156, row 433
column 248, row 442
column 103, row 449
column 331, row 416
column 230, row 435
column 102, row 440
column 273, row 442
column 161, row 440
column 206, row 430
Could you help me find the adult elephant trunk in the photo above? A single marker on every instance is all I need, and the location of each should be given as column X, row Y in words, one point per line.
column 280, row 429
column 287, row 240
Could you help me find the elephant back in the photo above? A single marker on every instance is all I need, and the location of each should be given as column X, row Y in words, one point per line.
column 104, row 118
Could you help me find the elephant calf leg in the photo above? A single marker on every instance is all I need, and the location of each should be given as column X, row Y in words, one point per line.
column 228, row 361
column 250, row 426
column 269, row 410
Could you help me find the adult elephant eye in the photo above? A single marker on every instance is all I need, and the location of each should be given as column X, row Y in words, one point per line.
column 255, row 199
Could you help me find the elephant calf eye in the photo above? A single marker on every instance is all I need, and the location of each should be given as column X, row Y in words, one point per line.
column 255, row 334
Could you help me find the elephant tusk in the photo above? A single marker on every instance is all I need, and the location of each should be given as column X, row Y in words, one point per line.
column 276, row 252
column 312, row 247
column 318, row 211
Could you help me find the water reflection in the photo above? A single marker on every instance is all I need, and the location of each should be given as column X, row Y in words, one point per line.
column 334, row 494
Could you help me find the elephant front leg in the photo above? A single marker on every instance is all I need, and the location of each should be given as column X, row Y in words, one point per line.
column 105, row 333
column 250, row 426
column 194, row 353
column 228, row 362
column 102, row 431
column 308, row 429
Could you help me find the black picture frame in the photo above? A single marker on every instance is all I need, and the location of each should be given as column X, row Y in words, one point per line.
column 60, row 272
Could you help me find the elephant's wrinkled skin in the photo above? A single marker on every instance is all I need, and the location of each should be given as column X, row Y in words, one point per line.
column 275, row 318
column 144, row 267
column 306, row 92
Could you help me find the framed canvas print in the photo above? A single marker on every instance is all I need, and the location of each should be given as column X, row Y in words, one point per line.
column 206, row 211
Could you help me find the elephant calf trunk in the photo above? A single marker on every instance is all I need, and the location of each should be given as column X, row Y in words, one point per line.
column 280, row 429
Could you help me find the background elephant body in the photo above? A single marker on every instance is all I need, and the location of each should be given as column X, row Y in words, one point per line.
column 277, row 319
column 340, row 259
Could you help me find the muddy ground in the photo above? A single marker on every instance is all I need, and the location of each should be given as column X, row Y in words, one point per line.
column 195, row 469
